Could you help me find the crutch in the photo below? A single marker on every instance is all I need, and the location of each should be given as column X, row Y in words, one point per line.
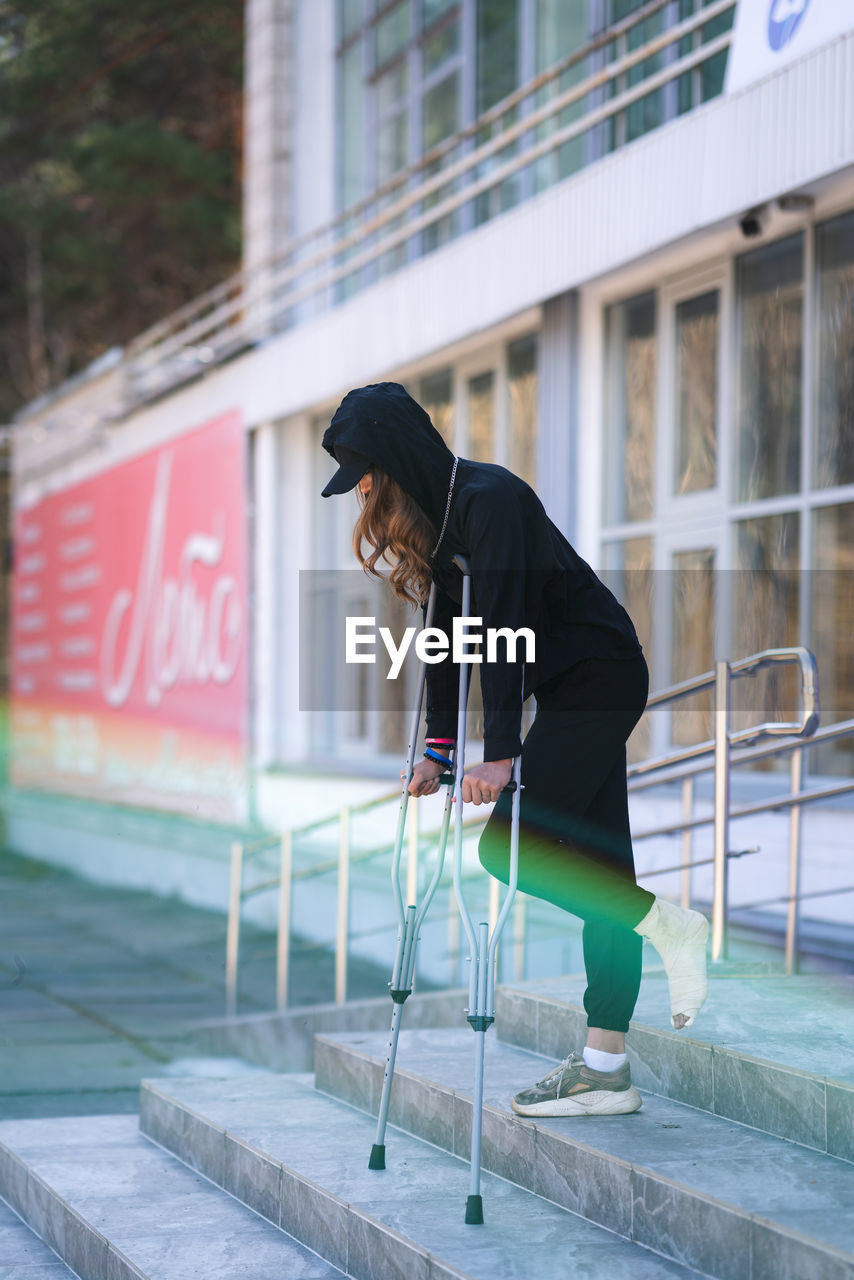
column 409, row 917
column 481, row 1006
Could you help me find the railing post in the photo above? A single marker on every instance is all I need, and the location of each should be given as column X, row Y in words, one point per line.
column 283, row 942
column 794, row 905
column 343, row 908
column 232, row 937
column 720, row 903
column 687, row 840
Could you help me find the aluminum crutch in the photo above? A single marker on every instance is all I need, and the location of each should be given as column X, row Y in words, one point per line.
column 409, row 917
column 481, row 1006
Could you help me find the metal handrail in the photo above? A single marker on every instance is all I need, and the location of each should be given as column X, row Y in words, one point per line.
column 744, row 667
column 285, row 880
column 365, row 855
column 723, row 813
column 251, row 300
column 842, row 729
column 402, row 180
column 718, row 756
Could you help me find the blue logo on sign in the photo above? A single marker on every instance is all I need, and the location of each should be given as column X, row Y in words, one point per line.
column 784, row 18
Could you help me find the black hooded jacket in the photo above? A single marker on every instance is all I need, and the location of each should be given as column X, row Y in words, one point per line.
column 524, row 572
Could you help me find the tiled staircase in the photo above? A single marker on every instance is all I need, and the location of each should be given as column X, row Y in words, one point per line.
column 739, row 1166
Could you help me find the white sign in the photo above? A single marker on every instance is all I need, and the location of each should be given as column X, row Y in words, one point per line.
column 769, row 34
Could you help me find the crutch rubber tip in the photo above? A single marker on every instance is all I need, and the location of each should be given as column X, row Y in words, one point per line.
column 474, row 1211
column 377, row 1160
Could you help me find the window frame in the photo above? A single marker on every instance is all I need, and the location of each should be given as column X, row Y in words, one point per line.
column 701, row 504
column 711, row 517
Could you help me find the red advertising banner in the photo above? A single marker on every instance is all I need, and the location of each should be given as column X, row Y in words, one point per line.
column 130, row 631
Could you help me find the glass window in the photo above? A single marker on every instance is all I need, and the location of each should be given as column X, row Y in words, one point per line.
column 481, row 414
column 632, row 353
column 713, row 70
column 351, row 126
column 497, row 51
column 392, row 131
column 391, row 88
column 692, row 607
column 522, row 391
column 351, row 14
column 561, row 29
column 436, row 396
column 439, row 48
column 629, row 574
column 441, row 110
column 443, row 230
column 696, row 398
column 832, row 592
column 686, row 84
column 647, row 112
column 706, row 80
column 765, row 602
column 770, row 327
column 834, row 434
column 392, row 149
column 392, row 32
column 433, row 9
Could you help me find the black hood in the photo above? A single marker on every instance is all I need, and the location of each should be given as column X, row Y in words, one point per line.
column 384, row 424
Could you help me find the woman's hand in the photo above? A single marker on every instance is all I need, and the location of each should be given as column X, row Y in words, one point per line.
column 485, row 783
column 425, row 778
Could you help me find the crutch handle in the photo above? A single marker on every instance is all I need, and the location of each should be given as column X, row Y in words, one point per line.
column 447, row 780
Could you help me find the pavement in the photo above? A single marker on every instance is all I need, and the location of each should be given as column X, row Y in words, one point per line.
column 100, row 986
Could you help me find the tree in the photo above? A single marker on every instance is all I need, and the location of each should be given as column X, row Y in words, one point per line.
column 120, row 174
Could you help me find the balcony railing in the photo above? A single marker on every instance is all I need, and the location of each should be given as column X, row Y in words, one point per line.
column 327, row 265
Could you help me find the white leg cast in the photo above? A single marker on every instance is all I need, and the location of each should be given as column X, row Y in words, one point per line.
column 679, row 936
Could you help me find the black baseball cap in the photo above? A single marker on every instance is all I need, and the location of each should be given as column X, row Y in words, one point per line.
column 351, row 467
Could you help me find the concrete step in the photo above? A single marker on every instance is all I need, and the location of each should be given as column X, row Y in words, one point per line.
column 115, row 1207
column 299, row 1158
column 22, row 1255
column 766, row 1050
column 726, row 1199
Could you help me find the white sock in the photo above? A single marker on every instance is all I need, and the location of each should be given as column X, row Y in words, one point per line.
column 599, row 1060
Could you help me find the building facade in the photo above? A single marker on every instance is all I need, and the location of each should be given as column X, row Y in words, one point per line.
column 607, row 244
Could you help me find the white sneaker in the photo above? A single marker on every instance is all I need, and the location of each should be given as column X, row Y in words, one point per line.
column 679, row 937
column 574, row 1089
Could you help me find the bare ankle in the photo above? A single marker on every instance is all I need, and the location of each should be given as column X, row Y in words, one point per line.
column 607, row 1041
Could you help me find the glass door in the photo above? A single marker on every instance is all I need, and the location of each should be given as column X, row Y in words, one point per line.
column 693, row 382
column 691, row 628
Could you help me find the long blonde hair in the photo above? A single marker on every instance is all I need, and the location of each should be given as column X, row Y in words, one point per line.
column 400, row 533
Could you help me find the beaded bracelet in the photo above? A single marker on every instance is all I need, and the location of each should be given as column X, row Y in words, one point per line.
column 434, row 755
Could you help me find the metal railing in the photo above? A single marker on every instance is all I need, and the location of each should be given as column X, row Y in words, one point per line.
column 720, row 750
column 728, row 749
column 287, row 876
column 327, row 263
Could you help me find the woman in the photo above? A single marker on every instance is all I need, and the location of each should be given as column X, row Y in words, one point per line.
column 420, row 507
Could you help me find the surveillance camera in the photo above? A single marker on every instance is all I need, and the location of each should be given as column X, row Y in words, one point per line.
column 751, row 223
column 796, row 202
